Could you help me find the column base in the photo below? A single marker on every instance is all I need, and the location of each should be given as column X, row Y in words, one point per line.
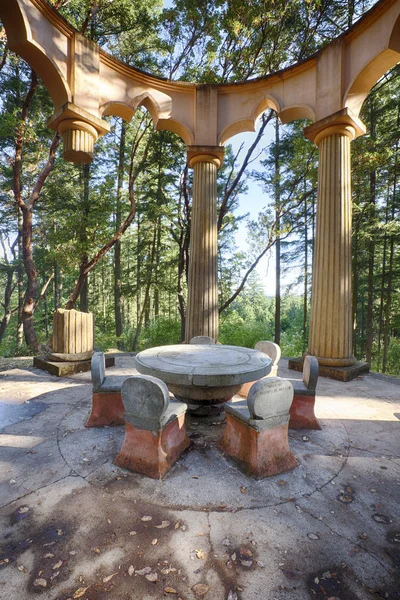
column 340, row 373
column 63, row 369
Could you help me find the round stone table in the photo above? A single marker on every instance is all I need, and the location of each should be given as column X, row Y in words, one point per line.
column 204, row 376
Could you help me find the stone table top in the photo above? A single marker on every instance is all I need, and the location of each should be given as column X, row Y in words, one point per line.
column 203, row 366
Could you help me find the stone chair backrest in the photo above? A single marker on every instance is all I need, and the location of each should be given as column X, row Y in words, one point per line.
column 145, row 397
column 98, row 369
column 270, row 397
column 270, row 348
column 202, row 340
column 310, row 372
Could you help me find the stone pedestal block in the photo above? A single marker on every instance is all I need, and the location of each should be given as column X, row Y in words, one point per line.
column 153, row 453
column 256, row 432
column 107, row 410
column 155, row 433
column 302, row 415
column 258, row 453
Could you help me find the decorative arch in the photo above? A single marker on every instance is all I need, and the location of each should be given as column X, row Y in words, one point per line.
column 294, row 112
column 249, row 123
column 361, row 85
column 20, row 40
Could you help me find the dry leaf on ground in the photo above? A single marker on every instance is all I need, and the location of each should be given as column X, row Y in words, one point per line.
column 80, row 592
column 200, row 589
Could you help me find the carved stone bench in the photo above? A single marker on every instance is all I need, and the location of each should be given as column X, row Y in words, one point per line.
column 274, row 352
column 155, row 433
column 107, row 406
column 302, row 415
column 256, row 432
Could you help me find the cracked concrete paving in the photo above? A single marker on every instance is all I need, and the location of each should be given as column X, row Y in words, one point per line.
column 73, row 524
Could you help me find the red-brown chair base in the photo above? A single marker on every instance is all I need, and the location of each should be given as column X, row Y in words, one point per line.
column 258, row 453
column 302, row 414
column 107, row 409
column 153, row 453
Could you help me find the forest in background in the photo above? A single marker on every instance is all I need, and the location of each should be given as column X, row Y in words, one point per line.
column 113, row 237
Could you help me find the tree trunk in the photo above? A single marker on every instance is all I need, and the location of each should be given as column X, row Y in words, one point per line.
column 371, row 252
column 20, row 274
column 31, row 286
column 305, row 292
column 8, row 290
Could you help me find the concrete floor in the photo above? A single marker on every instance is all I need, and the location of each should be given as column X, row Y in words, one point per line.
column 75, row 526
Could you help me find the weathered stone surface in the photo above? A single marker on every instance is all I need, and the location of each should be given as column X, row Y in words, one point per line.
column 60, row 357
column 63, row 369
column 302, row 414
column 98, row 370
column 147, row 403
column 153, row 453
column 274, row 352
column 107, row 410
column 203, row 365
column 72, row 332
column 337, row 373
column 269, row 398
column 258, row 453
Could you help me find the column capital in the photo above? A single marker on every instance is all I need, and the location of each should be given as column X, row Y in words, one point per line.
column 80, row 130
column 342, row 122
column 209, row 154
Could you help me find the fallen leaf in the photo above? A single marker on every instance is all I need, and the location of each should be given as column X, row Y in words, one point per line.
column 243, row 489
column 226, row 542
column 144, row 571
column 183, row 527
column 260, row 563
column 200, row 554
column 246, row 563
column 170, row 590
column 109, row 521
column 168, row 571
column 49, row 555
column 80, row 592
column 72, row 553
column 12, row 481
column 200, row 589
column 232, row 595
column 109, row 577
column 131, row 570
column 381, row 518
column 146, row 518
column 153, row 577
column 245, row 552
column 59, row 531
column 233, row 556
column 96, row 550
column 305, row 438
column 132, row 533
column 22, row 510
column 4, row 561
column 177, row 525
column 281, row 482
column 57, row 565
column 22, row 569
column 313, row 536
column 154, row 542
column 195, row 476
column 40, row 582
column 163, row 525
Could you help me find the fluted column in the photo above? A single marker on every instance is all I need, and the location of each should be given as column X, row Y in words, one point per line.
column 202, row 303
column 330, row 337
